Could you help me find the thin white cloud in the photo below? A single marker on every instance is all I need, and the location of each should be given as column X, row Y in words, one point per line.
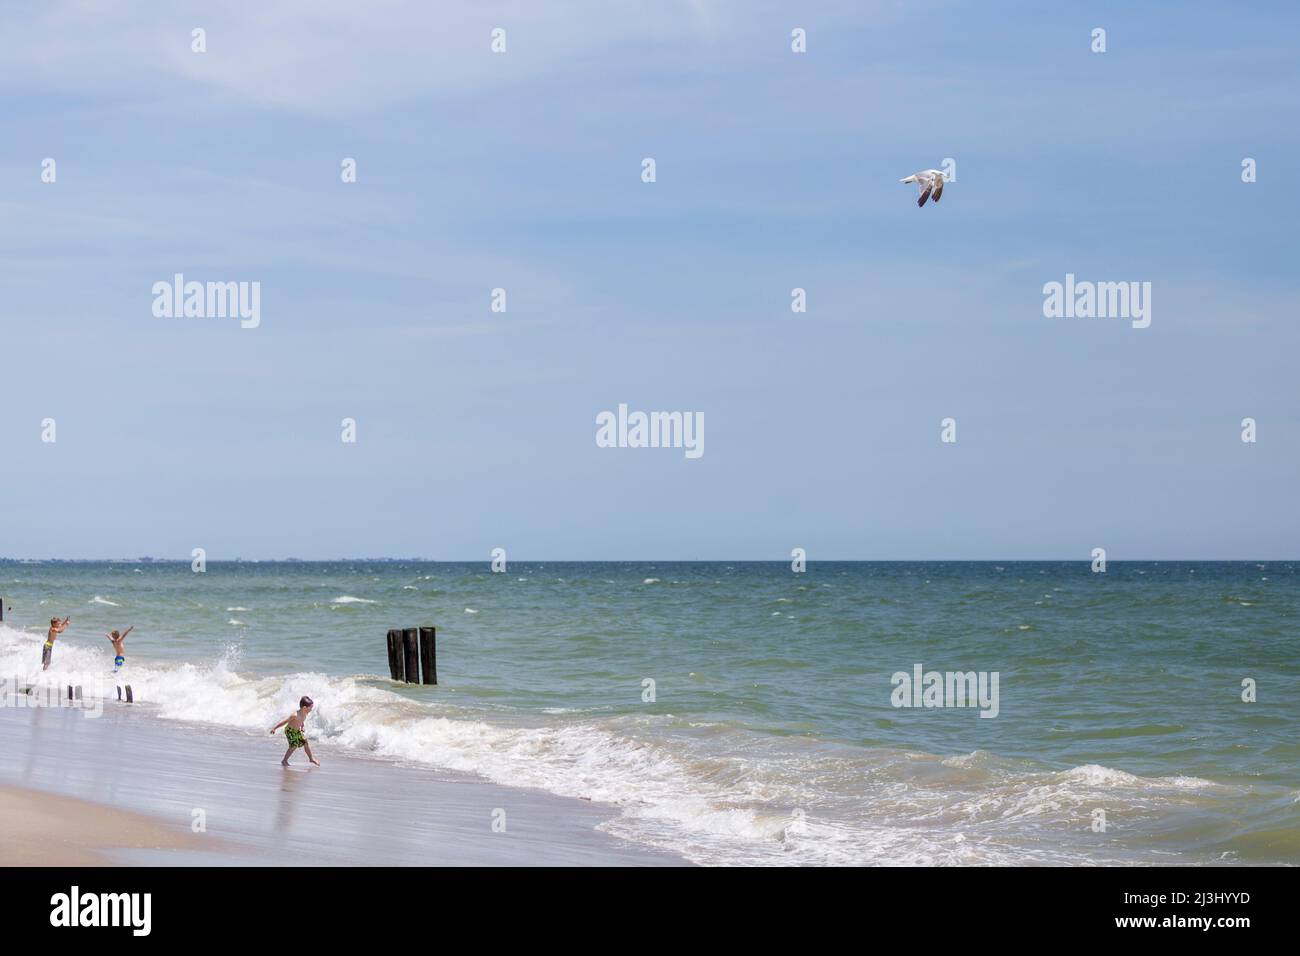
column 332, row 56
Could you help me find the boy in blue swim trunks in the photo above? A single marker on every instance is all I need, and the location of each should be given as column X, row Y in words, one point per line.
column 294, row 732
column 117, row 640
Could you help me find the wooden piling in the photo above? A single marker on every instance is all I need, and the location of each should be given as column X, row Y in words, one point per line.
column 129, row 699
column 429, row 654
column 410, row 644
column 69, row 692
column 395, row 655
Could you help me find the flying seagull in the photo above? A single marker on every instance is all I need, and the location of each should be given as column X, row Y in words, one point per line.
column 929, row 181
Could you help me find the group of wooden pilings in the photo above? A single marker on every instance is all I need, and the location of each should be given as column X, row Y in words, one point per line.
column 75, row 693
column 410, row 649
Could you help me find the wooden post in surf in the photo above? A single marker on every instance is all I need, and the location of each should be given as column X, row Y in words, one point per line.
column 410, row 644
column 395, row 669
column 429, row 654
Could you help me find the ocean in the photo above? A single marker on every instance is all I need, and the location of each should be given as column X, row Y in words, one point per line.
column 741, row 713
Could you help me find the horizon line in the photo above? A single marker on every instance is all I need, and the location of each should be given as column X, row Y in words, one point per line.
column 149, row 559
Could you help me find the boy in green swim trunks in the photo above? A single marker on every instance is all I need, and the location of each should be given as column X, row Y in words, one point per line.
column 294, row 731
column 57, row 627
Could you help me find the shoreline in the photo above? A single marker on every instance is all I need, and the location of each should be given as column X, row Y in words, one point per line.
column 122, row 789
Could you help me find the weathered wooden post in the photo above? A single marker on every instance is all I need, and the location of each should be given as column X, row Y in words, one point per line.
column 395, row 668
column 410, row 643
column 429, row 654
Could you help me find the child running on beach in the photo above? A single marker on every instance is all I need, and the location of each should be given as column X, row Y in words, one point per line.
column 294, row 732
column 117, row 640
column 57, row 627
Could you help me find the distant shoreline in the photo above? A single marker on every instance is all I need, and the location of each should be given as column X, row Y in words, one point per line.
column 1076, row 559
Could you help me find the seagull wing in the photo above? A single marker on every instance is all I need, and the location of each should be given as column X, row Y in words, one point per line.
column 925, row 194
column 938, row 188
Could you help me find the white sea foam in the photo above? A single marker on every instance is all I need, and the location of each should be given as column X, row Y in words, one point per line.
column 723, row 797
column 349, row 599
column 99, row 600
column 1098, row 776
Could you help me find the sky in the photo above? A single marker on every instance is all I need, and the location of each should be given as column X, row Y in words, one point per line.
column 774, row 170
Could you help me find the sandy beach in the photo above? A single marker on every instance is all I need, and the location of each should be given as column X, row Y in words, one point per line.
column 123, row 789
column 42, row 829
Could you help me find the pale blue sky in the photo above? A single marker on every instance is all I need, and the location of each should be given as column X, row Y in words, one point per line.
column 775, row 170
